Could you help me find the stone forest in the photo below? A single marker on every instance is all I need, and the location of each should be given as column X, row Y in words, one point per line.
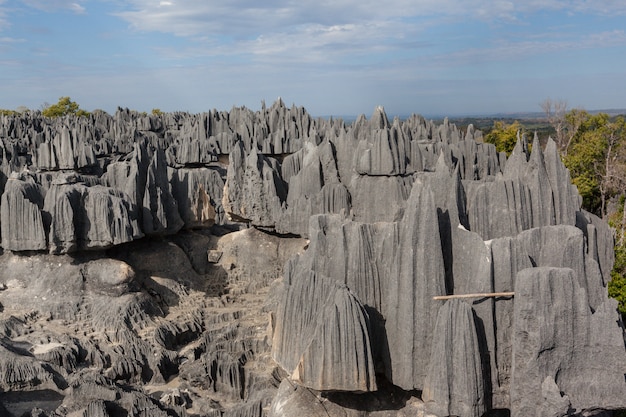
column 266, row 263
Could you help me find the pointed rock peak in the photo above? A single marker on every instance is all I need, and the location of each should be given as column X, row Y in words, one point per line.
column 379, row 118
column 525, row 143
column 442, row 167
column 522, row 140
column 520, row 148
column 536, row 154
column 551, row 146
column 517, row 161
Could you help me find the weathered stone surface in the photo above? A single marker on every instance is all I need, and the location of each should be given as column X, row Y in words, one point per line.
column 22, row 224
column 509, row 256
column 396, row 213
column 198, row 193
column 314, row 187
column 82, row 217
column 160, row 210
column 566, row 199
column 553, row 345
column 254, row 191
column 499, row 208
column 454, row 384
column 332, row 350
column 419, row 274
column 379, row 198
column 194, row 151
column 339, row 355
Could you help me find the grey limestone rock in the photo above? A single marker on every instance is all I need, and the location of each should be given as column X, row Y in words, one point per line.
column 326, row 344
column 396, row 213
column 198, row 193
column 254, row 191
column 499, row 208
column 160, row 214
column 379, row 198
column 82, row 217
column 538, row 181
column 23, row 372
column 555, row 367
column 509, row 256
column 383, row 152
column 566, row 198
column 314, row 187
column 339, row 355
column 600, row 240
column 194, row 151
column 419, row 274
column 21, row 220
column 454, row 384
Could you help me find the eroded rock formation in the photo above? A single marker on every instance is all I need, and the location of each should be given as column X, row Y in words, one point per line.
column 247, row 264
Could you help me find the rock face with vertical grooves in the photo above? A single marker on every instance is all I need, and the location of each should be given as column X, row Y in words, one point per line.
column 332, row 349
column 338, row 356
column 22, row 224
column 454, row 384
column 125, row 266
column 198, row 193
column 418, row 275
column 83, row 218
column 160, row 210
column 254, row 191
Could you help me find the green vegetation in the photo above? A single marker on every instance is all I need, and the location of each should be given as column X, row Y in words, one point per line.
column 156, row 112
column 504, row 135
column 596, row 158
column 18, row 110
column 64, row 107
column 593, row 148
column 617, row 285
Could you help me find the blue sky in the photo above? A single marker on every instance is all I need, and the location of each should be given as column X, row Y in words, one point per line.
column 334, row 57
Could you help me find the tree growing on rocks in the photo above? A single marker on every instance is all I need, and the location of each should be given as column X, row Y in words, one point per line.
column 63, row 107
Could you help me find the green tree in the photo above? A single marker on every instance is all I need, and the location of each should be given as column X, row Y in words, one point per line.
column 617, row 285
column 596, row 157
column 63, row 107
column 597, row 160
column 157, row 112
column 504, row 135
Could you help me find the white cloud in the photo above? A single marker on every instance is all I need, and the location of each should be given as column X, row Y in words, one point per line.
column 77, row 8
column 252, row 18
column 7, row 39
column 547, row 43
column 4, row 23
column 318, row 29
column 55, row 5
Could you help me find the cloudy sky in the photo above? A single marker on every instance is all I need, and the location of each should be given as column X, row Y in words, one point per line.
column 334, row 57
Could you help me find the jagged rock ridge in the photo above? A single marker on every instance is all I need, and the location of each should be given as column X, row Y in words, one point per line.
column 161, row 310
